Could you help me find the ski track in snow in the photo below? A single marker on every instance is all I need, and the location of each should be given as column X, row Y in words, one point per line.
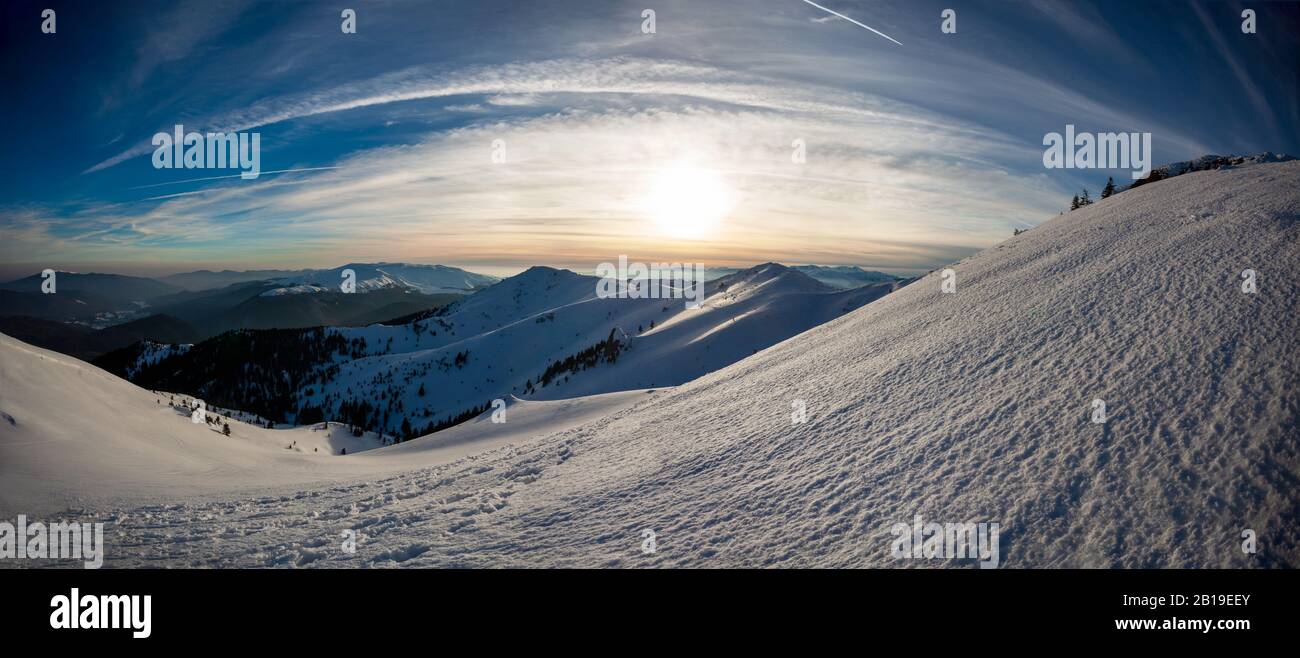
column 966, row 407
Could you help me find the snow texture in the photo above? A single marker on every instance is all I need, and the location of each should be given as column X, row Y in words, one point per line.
column 974, row 406
column 499, row 342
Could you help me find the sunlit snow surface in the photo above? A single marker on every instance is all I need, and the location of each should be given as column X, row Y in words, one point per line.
column 966, row 407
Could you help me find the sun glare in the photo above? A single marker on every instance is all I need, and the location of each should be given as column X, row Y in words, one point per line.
column 688, row 202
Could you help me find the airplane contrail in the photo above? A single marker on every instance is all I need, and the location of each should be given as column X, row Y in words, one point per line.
column 854, row 22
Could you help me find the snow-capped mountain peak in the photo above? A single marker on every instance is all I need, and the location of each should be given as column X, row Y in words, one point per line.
column 771, row 277
column 426, row 279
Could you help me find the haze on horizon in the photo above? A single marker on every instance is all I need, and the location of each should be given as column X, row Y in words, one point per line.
column 672, row 146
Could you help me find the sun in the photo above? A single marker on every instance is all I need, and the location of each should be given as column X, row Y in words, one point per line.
column 688, row 201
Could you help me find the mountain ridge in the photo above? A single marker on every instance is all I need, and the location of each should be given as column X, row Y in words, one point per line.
column 533, row 334
column 965, row 407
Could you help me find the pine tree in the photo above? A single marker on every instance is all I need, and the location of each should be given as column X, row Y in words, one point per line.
column 1109, row 189
column 226, row 429
column 1083, row 198
column 1074, row 203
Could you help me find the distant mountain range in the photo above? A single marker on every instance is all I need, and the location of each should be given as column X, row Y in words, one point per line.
column 92, row 299
column 114, row 288
column 426, row 279
column 207, row 279
column 87, row 343
column 89, row 314
column 541, row 334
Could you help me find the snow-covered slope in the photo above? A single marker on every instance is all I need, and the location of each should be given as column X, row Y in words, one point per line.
column 1208, row 162
column 543, row 334
column 72, row 435
column 150, row 353
column 501, row 342
column 971, row 407
column 842, row 277
column 306, row 289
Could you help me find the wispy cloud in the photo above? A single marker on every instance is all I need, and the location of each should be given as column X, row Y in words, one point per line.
column 882, row 180
column 1243, row 77
column 518, row 83
column 916, row 155
column 179, row 32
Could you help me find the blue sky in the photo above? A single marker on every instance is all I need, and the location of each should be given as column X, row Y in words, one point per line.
column 672, row 145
